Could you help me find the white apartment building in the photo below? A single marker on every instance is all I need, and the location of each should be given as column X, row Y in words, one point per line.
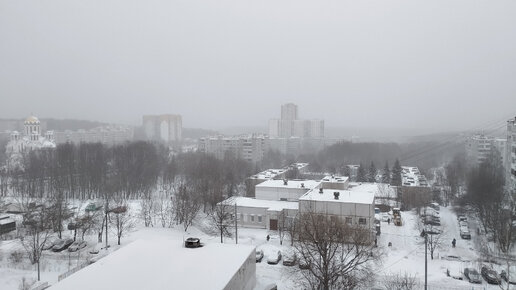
column 248, row 147
column 291, row 126
column 479, row 146
column 166, row 128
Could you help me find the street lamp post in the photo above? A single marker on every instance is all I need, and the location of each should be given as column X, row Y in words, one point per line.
column 424, row 234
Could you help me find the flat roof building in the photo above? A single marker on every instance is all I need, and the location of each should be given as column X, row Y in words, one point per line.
column 166, row 264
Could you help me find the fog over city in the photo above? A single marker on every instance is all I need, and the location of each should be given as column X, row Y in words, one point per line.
column 347, row 144
column 428, row 65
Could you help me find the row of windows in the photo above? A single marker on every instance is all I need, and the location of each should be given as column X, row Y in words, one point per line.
column 250, row 218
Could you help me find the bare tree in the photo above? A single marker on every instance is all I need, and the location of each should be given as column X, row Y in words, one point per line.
column 222, row 219
column 338, row 253
column 147, row 210
column 186, row 206
column 434, row 234
column 282, row 225
column 38, row 230
column 400, row 282
column 163, row 210
column 122, row 221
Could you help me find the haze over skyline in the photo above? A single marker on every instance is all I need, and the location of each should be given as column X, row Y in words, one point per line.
column 436, row 65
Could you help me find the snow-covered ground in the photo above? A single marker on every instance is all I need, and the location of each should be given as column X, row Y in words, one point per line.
column 406, row 255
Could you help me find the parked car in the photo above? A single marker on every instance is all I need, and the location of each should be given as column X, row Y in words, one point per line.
column 290, row 259
column 463, row 224
column 464, row 233
column 50, row 243
column 431, row 230
column 462, row 218
column 96, row 249
column 259, row 256
column 193, row 243
column 490, row 275
column 434, row 205
column 472, row 275
column 431, row 221
column 77, row 245
column 62, row 245
column 274, row 258
column 303, row 264
column 512, row 277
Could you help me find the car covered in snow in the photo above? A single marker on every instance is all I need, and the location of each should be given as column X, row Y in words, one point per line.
column 50, row 243
column 274, row 257
column 464, row 233
column 290, row 259
column 472, row 275
column 77, row 245
column 62, row 245
column 96, row 249
column 259, row 256
column 490, row 275
column 303, row 264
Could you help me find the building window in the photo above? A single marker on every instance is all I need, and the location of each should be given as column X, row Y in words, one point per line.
column 362, row 221
column 259, row 218
column 252, row 218
column 241, row 217
column 349, row 220
column 283, row 199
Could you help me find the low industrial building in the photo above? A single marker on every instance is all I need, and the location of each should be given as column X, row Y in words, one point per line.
column 166, row 264
column 351, row 206
column 258, row 213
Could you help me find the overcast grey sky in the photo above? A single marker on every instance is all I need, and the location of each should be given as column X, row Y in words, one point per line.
column 429, row 64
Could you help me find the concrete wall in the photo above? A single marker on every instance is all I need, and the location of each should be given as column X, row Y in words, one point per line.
column 247, row 214
column 245, row 277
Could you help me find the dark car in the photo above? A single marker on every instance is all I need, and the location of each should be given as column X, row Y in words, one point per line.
column 193, row 243
column 490, row 275
column 259, row 256
column 472, row 275
column 274, row 258
column 62, row 245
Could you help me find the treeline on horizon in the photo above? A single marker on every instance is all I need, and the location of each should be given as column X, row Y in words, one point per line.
column 137, row 169
column 425, row 155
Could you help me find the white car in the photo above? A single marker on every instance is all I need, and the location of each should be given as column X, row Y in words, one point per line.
column 274, row 257
column 77, row 245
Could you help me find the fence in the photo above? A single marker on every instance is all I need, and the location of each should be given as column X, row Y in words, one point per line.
column 73, row 270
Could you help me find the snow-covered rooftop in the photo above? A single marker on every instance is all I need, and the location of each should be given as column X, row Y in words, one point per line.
column 291, row 183
column 160, row 265
column 334, row 178
column 268, row 174
column 261, row 203
column 346, row 196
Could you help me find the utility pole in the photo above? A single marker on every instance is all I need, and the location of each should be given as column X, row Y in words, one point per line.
column 236, row 224
column 426, row 262
column 106, row 218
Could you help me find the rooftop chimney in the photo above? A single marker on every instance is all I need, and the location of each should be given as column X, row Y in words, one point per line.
column 336, row 194
column 321, row 190
column 285, row 181
column 302, row 185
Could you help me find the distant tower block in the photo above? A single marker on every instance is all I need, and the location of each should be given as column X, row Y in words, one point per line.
column 164, row 128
